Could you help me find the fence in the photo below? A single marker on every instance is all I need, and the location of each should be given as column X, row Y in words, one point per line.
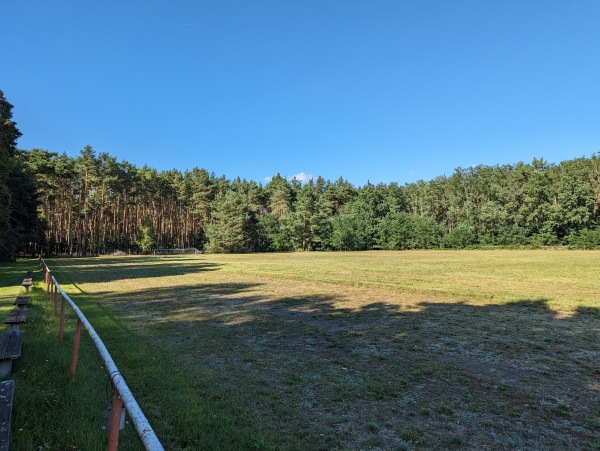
column 122, row 395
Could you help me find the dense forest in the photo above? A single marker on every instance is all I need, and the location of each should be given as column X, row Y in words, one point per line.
column 94, row 204
column 18, row 203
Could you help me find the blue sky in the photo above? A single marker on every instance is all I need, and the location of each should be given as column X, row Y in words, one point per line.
column 368, row 90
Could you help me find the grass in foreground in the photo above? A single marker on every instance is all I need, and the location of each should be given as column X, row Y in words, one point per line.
column 52, row 410
column 427, row 350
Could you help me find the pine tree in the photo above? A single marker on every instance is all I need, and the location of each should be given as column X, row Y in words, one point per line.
column 18, row 199
column 231, row 231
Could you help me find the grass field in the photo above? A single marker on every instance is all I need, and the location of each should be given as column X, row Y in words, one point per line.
column 371, row 350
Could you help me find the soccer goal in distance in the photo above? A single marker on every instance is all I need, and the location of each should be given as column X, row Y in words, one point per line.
column 186, row 251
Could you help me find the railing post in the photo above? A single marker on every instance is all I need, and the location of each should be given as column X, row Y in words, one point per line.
column 55, row 301
column 61, row 329
column 114, row 425
column 76, row 347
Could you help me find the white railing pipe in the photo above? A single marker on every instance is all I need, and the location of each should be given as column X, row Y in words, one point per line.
column 145, row 431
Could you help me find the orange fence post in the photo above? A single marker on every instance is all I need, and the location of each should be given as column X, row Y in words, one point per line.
column 55, row 301
column 76, row 347
column 114, row 425
column 61, row 329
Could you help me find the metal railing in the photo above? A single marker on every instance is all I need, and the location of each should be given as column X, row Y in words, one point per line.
column 122, row 395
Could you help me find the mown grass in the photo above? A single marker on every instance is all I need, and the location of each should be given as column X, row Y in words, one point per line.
column 56, row 411
column 390, row 350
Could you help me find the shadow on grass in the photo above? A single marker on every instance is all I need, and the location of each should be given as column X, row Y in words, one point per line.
column 12, row 273
column 432, row 375
column 124, row 268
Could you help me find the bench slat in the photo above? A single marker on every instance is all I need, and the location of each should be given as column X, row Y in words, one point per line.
column 16, row 316
column 10, row 345
column 22, row 300
column 13, row 350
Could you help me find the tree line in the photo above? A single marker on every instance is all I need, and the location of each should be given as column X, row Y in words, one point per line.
column 94, row 204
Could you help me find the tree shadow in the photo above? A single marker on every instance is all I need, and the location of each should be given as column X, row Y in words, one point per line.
column 431, row 375
column 14, row 272
column 116, row 269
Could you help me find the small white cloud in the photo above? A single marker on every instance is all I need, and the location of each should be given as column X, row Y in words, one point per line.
column 301, row 177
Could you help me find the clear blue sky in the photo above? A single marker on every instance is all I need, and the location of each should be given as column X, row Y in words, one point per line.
column 368, row 90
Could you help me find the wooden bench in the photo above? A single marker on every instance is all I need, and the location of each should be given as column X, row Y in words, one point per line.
column 27, row 282
column 15, row 317
column 7, row 389
column 22, row 301
column 10, row 349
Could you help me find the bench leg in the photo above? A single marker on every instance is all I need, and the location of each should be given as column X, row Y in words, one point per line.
column 15, row 328
column 26, row 289
column 5, row 367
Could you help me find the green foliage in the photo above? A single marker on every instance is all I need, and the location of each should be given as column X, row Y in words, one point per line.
column 148, row 237
column 511, row 235
column 585, row 239
column 231, row 230
column 279, row 192
column 94, row 203
column 269, row 236
column 8, row 137
column 460, row 237
column 18, row 197
column 399, row 231
column 348, row 233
